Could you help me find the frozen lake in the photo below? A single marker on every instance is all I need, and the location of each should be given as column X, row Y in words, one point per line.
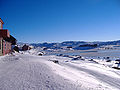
column 93, row 53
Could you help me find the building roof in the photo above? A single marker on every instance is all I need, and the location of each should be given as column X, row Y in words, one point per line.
column 1, row 21
column 4, row 33
column 10, row 39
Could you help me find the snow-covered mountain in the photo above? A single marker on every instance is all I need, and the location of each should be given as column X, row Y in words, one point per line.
column 72, row 45
column 75, row 44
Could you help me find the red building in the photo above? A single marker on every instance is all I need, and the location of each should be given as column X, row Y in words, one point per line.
column 6, row 40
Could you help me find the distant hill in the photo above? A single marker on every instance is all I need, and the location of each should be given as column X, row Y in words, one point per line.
column 74, row 44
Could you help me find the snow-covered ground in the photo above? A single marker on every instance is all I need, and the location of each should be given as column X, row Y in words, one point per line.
column 31, row 72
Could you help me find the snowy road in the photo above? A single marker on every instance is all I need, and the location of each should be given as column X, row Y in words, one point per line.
column 28, row 72
column 24, row 72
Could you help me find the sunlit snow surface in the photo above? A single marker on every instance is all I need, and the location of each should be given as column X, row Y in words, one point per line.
column 27, row 71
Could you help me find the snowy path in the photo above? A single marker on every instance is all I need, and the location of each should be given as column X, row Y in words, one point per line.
column 24, row 72
column 115, row 82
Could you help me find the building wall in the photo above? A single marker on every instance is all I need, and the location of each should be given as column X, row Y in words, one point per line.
column 0, row 25
column 1, row 47
column 6, row 47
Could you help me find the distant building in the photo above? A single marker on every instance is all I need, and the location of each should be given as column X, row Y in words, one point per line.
column 26, row 47
column 6, row 40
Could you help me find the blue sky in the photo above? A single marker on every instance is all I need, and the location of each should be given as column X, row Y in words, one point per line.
column 61, row 20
